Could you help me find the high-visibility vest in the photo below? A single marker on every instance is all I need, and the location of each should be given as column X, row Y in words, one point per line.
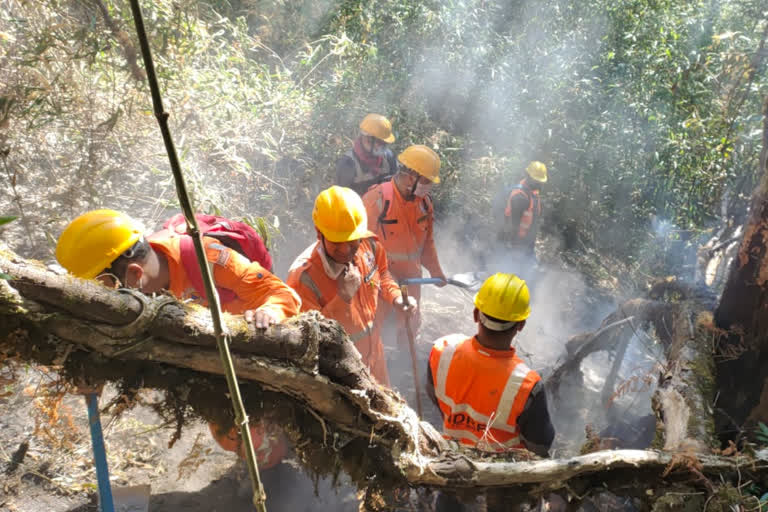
column 361, row 175
column 481, row 392
column 403, row 240
column 533, row 211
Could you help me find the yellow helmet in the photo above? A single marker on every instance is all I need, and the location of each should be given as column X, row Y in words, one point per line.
column 377, row 126
column 504, row 297
column 537, row 171
column 340, row 215
column 95, row 239
column 422, row 160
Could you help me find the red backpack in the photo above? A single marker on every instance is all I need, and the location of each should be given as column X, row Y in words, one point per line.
column 238, row 236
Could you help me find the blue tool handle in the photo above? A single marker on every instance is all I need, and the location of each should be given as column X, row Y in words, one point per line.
column 421, row 280
column 99, row 454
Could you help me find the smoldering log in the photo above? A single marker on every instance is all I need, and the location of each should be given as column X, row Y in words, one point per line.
column 679, row 316
column 44, row 316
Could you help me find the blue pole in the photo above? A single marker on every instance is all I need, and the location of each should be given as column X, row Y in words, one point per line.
column 99, row 454
column 421, row 280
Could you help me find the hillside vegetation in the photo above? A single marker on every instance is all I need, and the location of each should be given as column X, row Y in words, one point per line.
column 646, row 111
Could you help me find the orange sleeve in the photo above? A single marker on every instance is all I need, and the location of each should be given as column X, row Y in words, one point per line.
column 389, row 288
column 255, row 286
column 336, row 308
column 371, row 200
column 429, row 253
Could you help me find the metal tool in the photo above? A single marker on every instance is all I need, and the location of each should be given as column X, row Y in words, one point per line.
column 467, row 280
column 412, row 348
column 99, row 454
column 125, row 499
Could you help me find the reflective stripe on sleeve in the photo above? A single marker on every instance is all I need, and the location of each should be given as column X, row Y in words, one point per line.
column 366, row 331
column 404, row 256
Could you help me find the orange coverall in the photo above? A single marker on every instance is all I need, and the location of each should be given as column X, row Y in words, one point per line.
column 319, row 292
column 255, row 288
column 405, row 230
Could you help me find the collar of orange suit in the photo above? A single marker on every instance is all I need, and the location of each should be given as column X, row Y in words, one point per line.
column 332, row 269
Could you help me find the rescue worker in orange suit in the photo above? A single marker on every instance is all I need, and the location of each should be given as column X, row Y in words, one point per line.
column 400, row 213
column 370, row 161
column 519, row 216
column 109, row 246
column 344, row 274
column 489, row 399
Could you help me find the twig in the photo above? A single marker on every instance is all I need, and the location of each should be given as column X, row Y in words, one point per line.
column 610, row 380
column 322, row 424
column 17, row 197
column 128, row 50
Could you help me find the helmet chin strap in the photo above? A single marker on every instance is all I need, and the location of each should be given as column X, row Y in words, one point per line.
column 412, row 194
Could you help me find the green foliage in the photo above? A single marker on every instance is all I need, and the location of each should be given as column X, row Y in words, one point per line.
column 762, row 433
column 646, row 111
column 266, row 231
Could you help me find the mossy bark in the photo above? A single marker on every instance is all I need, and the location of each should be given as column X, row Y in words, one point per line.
column 742, row 314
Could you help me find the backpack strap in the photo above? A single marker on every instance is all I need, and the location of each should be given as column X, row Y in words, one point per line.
column 524, row 189
column 191, row 267
column 386, row 200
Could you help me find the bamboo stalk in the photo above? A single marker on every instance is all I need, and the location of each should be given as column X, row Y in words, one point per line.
column 241, row 418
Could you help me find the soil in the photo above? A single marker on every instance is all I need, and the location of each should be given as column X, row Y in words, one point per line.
column 56, row 472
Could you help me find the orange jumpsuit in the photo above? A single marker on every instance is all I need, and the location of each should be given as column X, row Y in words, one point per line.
column 405, row 230
column 318, row 292
column 256, row 288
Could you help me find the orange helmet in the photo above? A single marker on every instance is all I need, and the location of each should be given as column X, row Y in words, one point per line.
column 377, row 126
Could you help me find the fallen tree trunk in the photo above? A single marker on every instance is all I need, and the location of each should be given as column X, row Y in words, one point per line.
column 309, row 361
column 308, row 358
column 552, row 473
column 685, row 383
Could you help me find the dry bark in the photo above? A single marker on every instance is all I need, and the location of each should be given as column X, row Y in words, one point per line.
column 743, row 351
column 47, row 318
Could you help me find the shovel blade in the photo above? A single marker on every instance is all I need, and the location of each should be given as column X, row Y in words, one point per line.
column 469, row 280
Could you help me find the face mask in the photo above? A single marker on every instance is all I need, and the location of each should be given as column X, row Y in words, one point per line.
column 379, row 151
column 422, row 189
